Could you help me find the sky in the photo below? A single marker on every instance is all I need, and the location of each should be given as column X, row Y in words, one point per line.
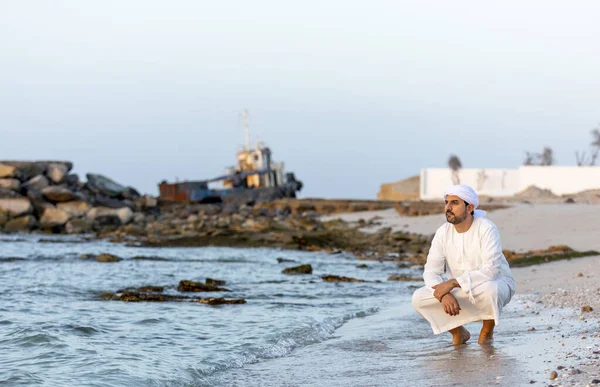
column 349, row 94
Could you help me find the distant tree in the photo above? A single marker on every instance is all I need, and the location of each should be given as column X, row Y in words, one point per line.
column 581, row 158
column 595, row 144
column 544, row 158
column 455, row 165
column 530, row 158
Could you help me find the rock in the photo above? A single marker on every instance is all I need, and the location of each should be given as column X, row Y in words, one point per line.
column 282, row 260
column 302, row 269
column 214, row 282
column 570, row 200
column 130, row 193
column 37, row 183
column 124, row 215
column 587, row 308
column 595, row 381
column 75, row 208
column 106, row 223
column 8, row 171
column 256, row 225
column 104, row 186
column 72, row 180
column 363, row 266
column 107, row 258
column 579, row 274
column 144, row 289
column 39, row 204
column 20, row 224
column 58, row 194
column 220, row 301
column 26, row 169
column 77, row 226
column 553, row 375
column 9, row 194
column 56, row 172
column 11, row 184
column 190, row 286
column 145, row 297
column 402, row 277
column 147, row 202
column 138, row 217
column 17, row 206
column 102, row 201
column 53, row 217
column 335, row 278
column 4, row 217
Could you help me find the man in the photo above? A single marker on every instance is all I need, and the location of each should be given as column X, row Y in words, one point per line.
column 480, row 282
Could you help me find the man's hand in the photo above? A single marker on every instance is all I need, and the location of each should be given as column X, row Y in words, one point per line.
column 450, row 304
column 444, row 288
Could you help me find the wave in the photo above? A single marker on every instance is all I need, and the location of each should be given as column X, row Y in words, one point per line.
column 279, row 346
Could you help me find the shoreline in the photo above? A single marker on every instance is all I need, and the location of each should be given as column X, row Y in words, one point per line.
column 561, row 297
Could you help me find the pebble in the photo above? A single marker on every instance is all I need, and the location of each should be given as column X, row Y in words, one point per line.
column 553, row 375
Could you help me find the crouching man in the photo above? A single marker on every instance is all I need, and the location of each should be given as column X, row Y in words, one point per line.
column 480, row 283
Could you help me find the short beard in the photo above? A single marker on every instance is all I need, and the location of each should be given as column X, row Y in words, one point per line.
column 453, row 219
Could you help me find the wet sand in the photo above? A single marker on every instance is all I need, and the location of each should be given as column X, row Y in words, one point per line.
column 544, row 328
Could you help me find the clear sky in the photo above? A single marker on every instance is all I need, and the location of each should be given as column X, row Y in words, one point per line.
column 349, row 94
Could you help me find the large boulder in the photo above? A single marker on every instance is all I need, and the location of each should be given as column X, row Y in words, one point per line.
column 53, row 217
column 37, row 183
column 124, row 214
column 130, row 193
column 4, row 217
column 20, row 224
column 72, row 180
column 16, row 206
column 104, row 186
column 75, row 209
column 57, row 173
column 102, row 201
column 58, row 194
column 27, row 169
column 78, row 226
column 38, row 202
column 8, row 171
column 11, row 184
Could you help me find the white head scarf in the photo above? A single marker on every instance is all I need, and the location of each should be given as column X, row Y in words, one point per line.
column 467, row 194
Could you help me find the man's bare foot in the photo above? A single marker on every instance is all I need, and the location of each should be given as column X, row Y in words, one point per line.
column 460, row 335
column 486, row 336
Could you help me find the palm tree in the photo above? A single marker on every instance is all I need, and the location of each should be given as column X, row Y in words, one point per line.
column 454, row 164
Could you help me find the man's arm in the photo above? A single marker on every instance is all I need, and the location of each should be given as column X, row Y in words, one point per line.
column 491, row 256
column 436, row 262
column 444, row 288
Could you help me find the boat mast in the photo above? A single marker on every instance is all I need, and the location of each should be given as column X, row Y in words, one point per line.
column 247, row 129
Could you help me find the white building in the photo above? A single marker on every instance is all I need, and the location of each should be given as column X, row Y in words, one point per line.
column 507, row 182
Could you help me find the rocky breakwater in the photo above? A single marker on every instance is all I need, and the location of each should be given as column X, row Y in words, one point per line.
column 45, row 196
column 285, row 224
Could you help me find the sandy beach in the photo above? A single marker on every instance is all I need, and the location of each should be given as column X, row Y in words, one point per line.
column 560, row 300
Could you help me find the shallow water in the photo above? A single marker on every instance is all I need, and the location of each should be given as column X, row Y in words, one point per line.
column 294, row 330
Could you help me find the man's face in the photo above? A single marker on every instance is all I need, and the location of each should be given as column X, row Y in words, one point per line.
column 456, row 210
